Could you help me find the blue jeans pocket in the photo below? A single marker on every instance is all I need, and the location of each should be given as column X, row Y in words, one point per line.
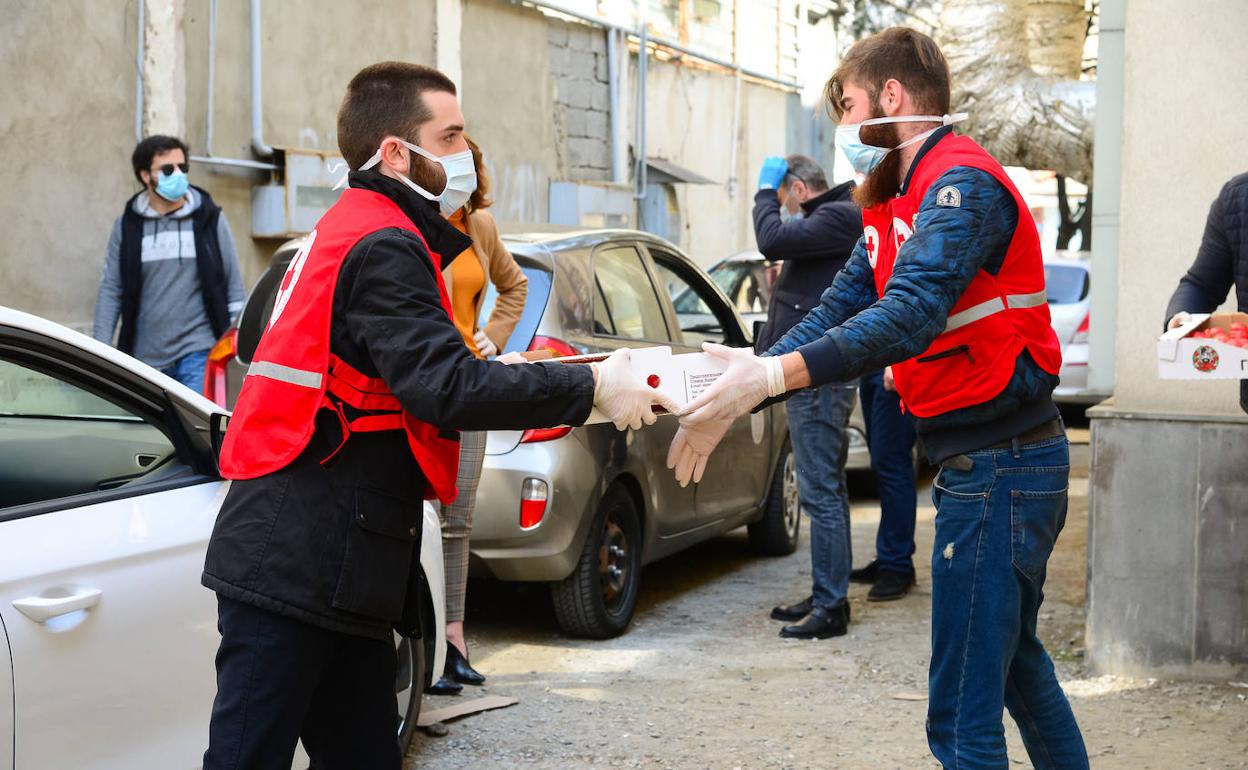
column 1036, row 516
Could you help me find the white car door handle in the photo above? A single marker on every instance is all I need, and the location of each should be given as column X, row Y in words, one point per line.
column 43, row 608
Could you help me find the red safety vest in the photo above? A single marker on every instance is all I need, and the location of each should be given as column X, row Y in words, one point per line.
column 998, row 316
column 293, row 372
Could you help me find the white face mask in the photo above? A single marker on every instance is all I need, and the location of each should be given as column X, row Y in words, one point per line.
column 865, row 157
column 461, row 177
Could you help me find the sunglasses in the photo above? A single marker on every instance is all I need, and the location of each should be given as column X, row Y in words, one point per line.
column 167, row 169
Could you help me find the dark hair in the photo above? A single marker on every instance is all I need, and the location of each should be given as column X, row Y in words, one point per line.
column 808, row 170
column 899, row 53
column 385, row 99
column 481, row 196
column 152, row 146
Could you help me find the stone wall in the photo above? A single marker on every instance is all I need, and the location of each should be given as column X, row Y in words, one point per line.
column 578, row 70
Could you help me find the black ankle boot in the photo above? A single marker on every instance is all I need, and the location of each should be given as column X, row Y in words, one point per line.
column 821, row 623
column 457, row 668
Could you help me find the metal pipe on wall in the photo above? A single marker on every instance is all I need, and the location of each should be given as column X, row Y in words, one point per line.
column 613, row 115
column 212, row 73
column 639, row 139
column 138, row 75
column 258, row 145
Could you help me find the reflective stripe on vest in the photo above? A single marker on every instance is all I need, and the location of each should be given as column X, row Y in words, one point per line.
column 994, row 306
column 287, row 374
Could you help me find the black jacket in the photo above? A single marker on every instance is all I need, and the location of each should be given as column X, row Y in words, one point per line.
column 814, row 250
column 1221, row 262
column 212, row 280
column 337, row 545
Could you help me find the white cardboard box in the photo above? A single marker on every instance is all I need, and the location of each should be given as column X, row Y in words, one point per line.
column 682, row 377
column 1182, row 357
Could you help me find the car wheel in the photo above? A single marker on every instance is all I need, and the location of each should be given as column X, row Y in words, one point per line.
column 597, row 600
column 776, row 533
column 409, row 688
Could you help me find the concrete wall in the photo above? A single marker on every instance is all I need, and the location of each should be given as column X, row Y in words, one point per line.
column 509, row 101
column 1183, row 138
column 1168, row 530
column 308, row 59
column 67, row 119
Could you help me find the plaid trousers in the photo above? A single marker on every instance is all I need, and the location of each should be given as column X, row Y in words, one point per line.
column 457, row 522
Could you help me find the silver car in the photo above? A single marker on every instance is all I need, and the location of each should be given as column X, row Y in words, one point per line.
column 1068, row 281
column 583, row 509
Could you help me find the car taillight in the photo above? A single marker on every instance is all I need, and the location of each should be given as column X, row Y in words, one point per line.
column 557, row 348
column 1081, row 334
column 219, row 359
column 533, row 494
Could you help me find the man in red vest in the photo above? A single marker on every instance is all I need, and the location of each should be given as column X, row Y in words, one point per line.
column 346, row 422
column 947, row 287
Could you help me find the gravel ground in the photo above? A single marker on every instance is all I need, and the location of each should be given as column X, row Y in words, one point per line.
column 702, row 680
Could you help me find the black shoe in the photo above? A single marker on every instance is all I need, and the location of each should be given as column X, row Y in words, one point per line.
column 866, row 574
column 457, row 668
column 792, row 612
column 821, row 623
column 890, row 586
column 444, row 686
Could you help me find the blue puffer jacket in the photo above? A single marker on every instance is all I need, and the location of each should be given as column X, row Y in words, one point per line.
column 853, row 331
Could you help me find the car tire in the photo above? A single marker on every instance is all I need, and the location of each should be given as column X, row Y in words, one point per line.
column 597, row 600
column 776, row 533
column 412, row 678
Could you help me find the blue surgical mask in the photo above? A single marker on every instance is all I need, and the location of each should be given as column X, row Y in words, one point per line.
column 787, row 216
column 172, row 187
column 866, row 157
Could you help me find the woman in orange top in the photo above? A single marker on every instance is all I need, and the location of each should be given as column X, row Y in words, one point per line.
column 466, row 279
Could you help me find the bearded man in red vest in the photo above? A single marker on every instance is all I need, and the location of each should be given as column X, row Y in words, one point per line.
column 347, row 421
column 947, row 287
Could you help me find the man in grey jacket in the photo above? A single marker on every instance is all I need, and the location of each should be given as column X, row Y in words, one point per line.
column 171, row 273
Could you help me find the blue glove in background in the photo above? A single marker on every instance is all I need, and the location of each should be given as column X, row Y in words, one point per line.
column 773, row 172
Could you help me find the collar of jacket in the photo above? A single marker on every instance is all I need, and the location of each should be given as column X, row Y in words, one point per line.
column 440, row 234
column 841, row 192
column 928, row 144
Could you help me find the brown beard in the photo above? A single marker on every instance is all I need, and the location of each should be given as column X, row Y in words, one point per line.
column 427, row 174
column 884, row 182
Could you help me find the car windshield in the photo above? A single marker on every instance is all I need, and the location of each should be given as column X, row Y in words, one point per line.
column 534, row 306
column 1065, row 284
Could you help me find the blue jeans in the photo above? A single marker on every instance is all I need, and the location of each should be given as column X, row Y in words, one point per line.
column 890, row 435
column 189, row 370
column 817, row 420
column 995, row 529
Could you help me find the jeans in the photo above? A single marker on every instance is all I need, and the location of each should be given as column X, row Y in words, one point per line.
column 817, row 420
column 189, row 370
column 890, row 435
column 280, row 681
column 996, row 525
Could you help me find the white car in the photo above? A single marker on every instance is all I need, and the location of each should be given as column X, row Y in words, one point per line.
column 108, row 493
column 1068, row 281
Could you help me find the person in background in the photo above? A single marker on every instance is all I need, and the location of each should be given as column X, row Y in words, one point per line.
column 486, row 262
column 171, row 270
column 813, row 229
column 1221, row 263
column 890, row 437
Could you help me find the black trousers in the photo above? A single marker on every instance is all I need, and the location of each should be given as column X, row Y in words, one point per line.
column 280, row 680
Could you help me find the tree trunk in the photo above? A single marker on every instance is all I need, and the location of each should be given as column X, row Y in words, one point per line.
column 1023, row 117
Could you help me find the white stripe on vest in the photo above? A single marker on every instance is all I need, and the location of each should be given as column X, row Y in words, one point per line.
column 286, row 374
column 993, row 306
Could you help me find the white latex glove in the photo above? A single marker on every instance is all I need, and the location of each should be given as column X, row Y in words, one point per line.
column 1179, row 319
column 623, row 396
column 486, row 347
column 889, row 384
column 692, row 446
column 748, row 380
column 512, row 358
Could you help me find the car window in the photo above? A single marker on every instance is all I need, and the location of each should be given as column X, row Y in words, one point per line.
column 745, row 284
column 58, row 440
column 695, row 305
column 626, row 303
column 534, row 307
column 1065, row 284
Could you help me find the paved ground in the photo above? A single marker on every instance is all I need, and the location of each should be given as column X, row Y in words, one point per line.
column 702, row 681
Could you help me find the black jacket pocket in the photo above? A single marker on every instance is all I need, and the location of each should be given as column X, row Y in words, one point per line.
column 383, row 539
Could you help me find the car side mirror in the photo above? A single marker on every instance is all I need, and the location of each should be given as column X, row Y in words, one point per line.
column 217, row 425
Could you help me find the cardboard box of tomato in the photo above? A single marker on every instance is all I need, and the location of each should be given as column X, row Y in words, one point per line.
column 1209, row 347
column 681, row 376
